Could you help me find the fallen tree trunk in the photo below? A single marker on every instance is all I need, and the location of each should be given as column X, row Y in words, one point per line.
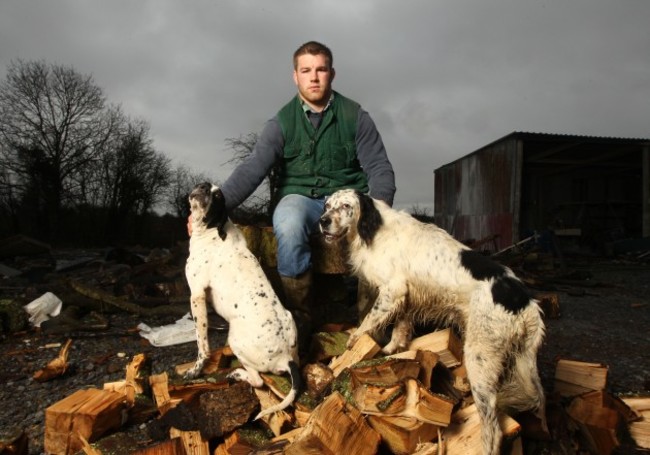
column 126, row 305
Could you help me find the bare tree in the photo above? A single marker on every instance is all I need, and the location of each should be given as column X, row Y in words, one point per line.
column 181, row 183
column 242, row 148
column 134, row 176
column 53, row 122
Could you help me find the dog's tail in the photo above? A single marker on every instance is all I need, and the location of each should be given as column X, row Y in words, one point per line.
column 296, row 383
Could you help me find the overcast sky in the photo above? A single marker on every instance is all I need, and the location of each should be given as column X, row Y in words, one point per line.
column 440, row 78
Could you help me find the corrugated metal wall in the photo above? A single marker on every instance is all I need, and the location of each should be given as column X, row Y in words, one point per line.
column 479, row 195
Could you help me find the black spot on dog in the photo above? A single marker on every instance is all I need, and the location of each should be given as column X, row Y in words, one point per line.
column 369, row 218
column 217, row 215
column 481, row 267
column 510, row 293
column 262, row 294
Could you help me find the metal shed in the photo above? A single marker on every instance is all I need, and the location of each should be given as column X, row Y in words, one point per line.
column 594, row 189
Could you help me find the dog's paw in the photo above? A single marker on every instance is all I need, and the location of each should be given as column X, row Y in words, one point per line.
column 353, row 339
column 392, row 348
column 194, row 372
column 238, row 375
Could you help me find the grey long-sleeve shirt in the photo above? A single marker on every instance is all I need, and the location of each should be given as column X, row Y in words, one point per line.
column 268, row 150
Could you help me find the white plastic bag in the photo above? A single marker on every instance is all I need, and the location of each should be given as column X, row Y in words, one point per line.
column 44, row 307
column 182, row 331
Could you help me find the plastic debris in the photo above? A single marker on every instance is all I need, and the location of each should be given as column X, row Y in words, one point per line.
column 43, row 308
column 182, row 331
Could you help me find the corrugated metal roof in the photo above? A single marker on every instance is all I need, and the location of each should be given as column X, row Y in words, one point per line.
column 555, row 137
column 532, row 135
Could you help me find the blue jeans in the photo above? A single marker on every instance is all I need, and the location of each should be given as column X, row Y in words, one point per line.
column 294, row 220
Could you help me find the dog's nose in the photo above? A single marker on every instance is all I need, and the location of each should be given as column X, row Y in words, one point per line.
column 324, row 221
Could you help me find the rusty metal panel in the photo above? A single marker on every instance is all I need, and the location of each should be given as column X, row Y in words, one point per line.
column 477, row 196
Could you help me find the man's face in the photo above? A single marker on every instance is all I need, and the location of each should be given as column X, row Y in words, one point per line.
column 313, row 77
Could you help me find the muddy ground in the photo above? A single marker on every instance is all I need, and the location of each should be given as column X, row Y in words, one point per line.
column 605, row 318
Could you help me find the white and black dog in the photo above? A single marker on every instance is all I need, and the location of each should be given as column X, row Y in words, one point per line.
column 221, row 269
column 422, row 274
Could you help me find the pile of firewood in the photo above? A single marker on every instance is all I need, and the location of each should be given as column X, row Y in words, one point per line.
column 354, row 401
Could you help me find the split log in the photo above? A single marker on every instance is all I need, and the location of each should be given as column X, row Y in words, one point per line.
column 88, row 412
column 463, row 435
column 87, row 448
column 317, row 379
column 427, row 361
column 640, row 429
column 428, row 448
column 443, row 383
column 160, row 393
column 56, row 367
column 444, row 343
column 600, row 418
column 249, row 440
column 461, row 382
column 278, row 422
column 335, row 427
column 384, row 370
column 403, row 434
column 574, row 377
column 223, row 411
column 287, row 437
column 407, row 398
column 234, row 444
column 219, row 359
column 193, row 443
column 364, row 348
column 132, row 385
column 301, row 417
column 186, row 392
column 281, row 386
column 380, row 399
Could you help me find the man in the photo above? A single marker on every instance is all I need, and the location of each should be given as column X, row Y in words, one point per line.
column 323, row 142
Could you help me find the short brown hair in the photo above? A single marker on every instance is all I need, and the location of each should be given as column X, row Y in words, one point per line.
column 313, row 48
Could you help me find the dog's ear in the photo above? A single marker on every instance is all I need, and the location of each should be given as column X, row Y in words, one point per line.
column 217, row 215
column 369, row 218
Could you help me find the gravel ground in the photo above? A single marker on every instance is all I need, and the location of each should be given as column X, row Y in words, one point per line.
column 607, row 324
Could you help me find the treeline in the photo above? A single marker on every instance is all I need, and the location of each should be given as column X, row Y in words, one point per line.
column 75, row 169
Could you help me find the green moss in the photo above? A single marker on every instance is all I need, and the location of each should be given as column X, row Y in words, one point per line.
column 383, row 405
column 255, row 435
column 341, row 384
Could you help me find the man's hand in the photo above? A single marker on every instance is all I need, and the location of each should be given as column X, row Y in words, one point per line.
column 189, row 225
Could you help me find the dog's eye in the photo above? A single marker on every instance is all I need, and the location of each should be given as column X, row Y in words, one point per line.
column 347, row 206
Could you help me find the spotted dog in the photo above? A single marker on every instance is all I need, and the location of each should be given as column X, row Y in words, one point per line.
column 221, row 269
column 422, row 274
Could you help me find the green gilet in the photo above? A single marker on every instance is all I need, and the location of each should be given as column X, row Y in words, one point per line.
column 319, row 162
